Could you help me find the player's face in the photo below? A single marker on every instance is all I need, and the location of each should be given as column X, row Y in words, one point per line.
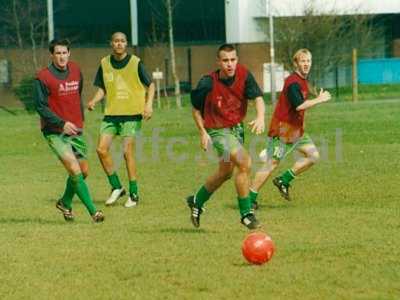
column 60, row 57
column 119, row 44
column 303, row 64
column 227, row 62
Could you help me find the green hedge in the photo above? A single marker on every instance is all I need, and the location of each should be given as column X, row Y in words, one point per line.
column 25, row 93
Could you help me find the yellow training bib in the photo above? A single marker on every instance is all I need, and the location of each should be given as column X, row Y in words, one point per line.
column 125, row 93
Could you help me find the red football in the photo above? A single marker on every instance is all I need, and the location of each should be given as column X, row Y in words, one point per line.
column 258, row 248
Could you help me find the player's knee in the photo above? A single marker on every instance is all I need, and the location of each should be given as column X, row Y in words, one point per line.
column 244, row 165
column 128, row 154
column 84, row 168
column 274, row 164
column 314, row 156
column 101, row 151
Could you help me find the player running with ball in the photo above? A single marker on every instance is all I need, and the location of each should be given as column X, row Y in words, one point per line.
column 219, row 107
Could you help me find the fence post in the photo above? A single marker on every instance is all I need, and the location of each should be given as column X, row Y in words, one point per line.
column 157, row 76
column 354, row 75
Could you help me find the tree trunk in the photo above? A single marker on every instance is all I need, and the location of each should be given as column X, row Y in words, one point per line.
column 172, row 54
column 32, row 37
column 17, row 24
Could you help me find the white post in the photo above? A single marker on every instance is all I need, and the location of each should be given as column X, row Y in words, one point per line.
column 272, row 52
column 157, row 76
column 134, row 22
column 50, row 19
column 158, row 90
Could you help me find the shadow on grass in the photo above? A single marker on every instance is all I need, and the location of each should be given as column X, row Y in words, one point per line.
column 186, row 230
column 29, row 221
column 282, row 204
column 99, row 202
column 76, row 200
column 245, row 264
column 8, row 110
column 173, row 230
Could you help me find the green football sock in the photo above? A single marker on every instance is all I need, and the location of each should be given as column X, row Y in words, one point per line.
column 244, row 206
column 202, row 196
column 82, row 191
column 68, row 194
column 133, row 188
column 113, row 179
column 287, row 176
column 253, row 196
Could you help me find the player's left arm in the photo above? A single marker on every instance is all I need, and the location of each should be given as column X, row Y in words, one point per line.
column 258, row 124
column 149, row 84
column 80, row 94
column 299, row 103
column 253, row 91
column 101, row 90
column 198, row 98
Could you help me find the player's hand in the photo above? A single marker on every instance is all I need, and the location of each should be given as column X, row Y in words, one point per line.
column 257, row 125
column 148, row 111
column 70, row 128
column 324, row 96
column 204, row 140
column 91, row 105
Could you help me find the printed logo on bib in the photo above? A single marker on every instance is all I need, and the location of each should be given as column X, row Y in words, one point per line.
column 68, row 88
column 122, row 88
column 108, row 77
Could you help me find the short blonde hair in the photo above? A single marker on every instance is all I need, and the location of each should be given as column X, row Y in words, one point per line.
column 299, row 52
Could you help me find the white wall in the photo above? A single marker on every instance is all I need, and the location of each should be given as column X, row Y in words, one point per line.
column 296, row 7
column 241, row 15
column 240, row 24
column 134, row 22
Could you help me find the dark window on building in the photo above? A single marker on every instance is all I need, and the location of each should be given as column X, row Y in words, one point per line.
column 194, row 21
column 91, row 22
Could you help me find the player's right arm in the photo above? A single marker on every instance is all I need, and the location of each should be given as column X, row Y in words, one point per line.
column 96, row 98
column 42, row 105
column 198, row 98
column 41, row 102
column 204, row 137
column 101, row 90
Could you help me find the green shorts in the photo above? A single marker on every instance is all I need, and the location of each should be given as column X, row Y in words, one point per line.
column 278, row 150
column 62, row 144
column 227, row 140
column 124, row 128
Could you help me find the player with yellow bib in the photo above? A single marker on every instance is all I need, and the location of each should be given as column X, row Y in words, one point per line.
column 129, row 92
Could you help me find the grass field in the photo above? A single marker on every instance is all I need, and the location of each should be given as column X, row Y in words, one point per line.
column 337, row 240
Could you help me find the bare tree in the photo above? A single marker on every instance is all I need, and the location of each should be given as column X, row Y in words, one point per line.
column 162, row 19
column 17, row 23
column 25, row 26
column 172, row 54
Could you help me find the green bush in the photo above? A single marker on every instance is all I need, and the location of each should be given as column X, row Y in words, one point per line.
column 25, row 93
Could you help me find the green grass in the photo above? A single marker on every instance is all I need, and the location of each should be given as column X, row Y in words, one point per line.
column 367, row 92
column 337, row 240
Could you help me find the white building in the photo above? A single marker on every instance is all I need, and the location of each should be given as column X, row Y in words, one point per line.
column 241, row 15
